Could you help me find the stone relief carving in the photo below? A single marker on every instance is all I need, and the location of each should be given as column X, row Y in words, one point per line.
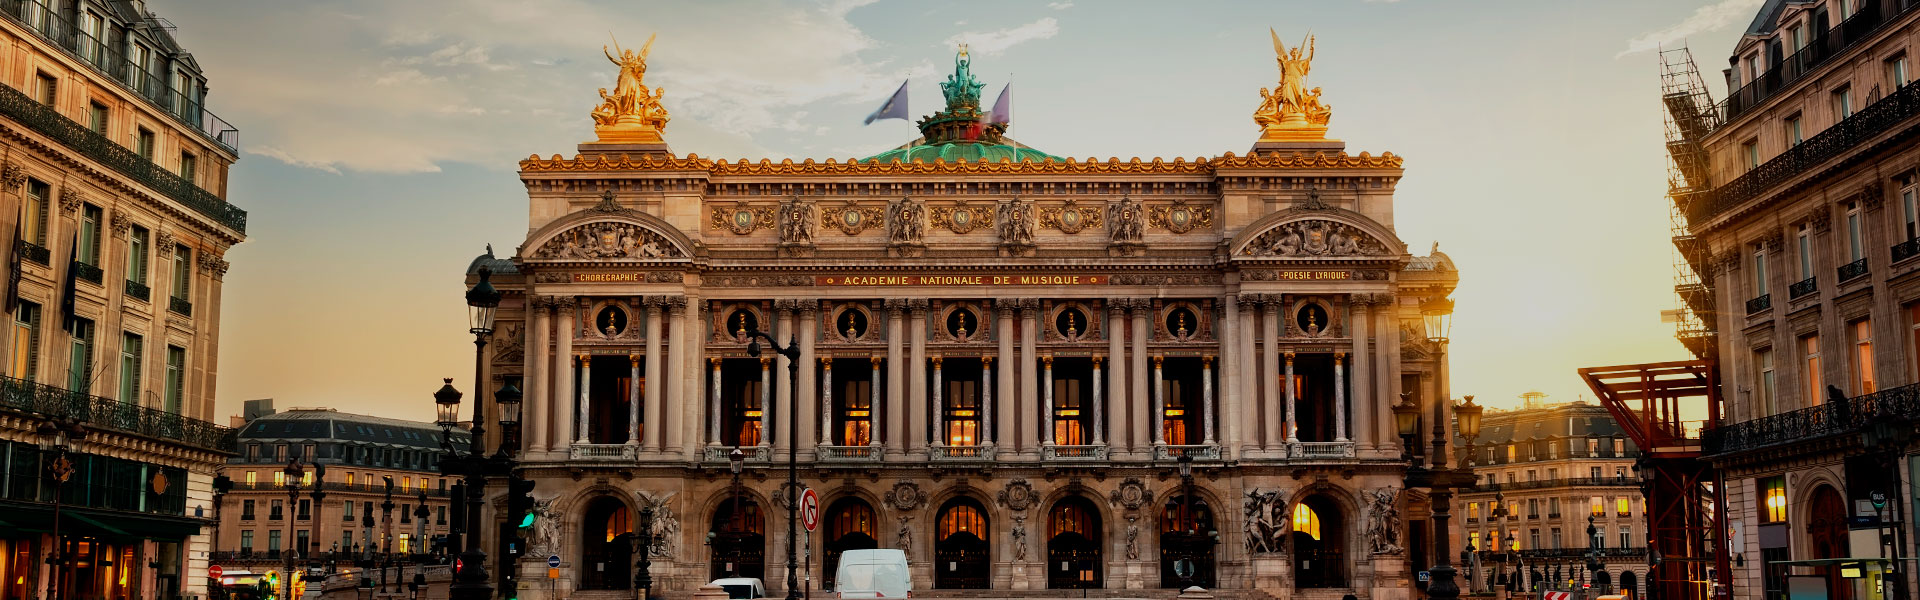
column 905, row 535
column 1314, row 237
column 1207, row 279
column 608, row 240
column 1179, row 217
column 163, row 242
column 906, row 221
column 1014, row 219
column 852, row 219
column 120, row 222
column 1020, row 538
column 756, row 280
column 1383, row 520
column 1017, row 495
column 742, row 219
column 552, row 277
column 905, row 496
column 71, row 198
column 666, row 524
column 12, row 175
column 1125, row 221
column 1268, row 521
column 1071, row 218
column 960, row 218
column 1130, row 495
column 1133, row 537
column 546, row 534
column 797, row 218
column 509, row 347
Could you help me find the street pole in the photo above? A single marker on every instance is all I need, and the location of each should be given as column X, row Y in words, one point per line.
column 792, row 352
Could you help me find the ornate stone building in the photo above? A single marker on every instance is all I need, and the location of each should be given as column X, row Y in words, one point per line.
column 113, row 188
column 1003, row 353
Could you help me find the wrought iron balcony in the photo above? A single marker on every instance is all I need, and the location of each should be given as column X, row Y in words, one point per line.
column 1905, row 250
column 180, row 305
column 1073, row 452
column 1801, row 288
column 1853, row 269
column 33, row 252
column 1865, row 24
column 847, row 453
column 1320, row 450
column 138, row 290
column 1562, row 482
column 721, row 454
column 106, row 413
column 44, row 119
column 1765, row 301
column 1890, row 114
column 1807, row 424
column 87, row 272
column 942, row 453
column 1197, row 451
column 604, row 452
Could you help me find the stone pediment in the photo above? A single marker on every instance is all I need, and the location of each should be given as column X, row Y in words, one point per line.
column 608, row 233
column 1316, row 235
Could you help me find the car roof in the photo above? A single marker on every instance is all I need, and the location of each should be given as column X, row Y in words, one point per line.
column 735, row 580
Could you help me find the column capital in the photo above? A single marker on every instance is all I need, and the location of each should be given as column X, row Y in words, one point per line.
column 1047, row 361
column 1338, row 356
column 1156, row 361
column 1029, row 306
column 766, row 360
column 936, row 361
column 918, row 305
column 713, row 360
column 1206, row 360
column 875, row 360
column 1119, row 303
column 987, row 361
column 1273, row 301
column 1289, row 355
column 1140, row 306
column 1248, row 301
column 826, row 362
column 563, row 302
column 634, row 358
column 894, row 306
column 583, row 359
column 785, row 304
column 676, row 303
column 807, row 308
column 1096, row 360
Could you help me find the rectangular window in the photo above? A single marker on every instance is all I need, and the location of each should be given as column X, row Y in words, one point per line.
column 1794, row 134
column 1753, row 67
column 1593, row 472
column 1846, row 9
column 33, row 217
column 1553, row 506
column 246, row 509
column 1803, row 249
column 89, row 249
column 306, row 510
column 1910, row 212
column 92, row 41
column 1596, row 507
column 26, row 341
column 1626, row 536
column 1842, row 103
column 80, row 356
column 347, row 515
column 1856, row 246
column 300, row 542
column 246, row 538
column 1763, row 389
column 1759, row 271
column 1862, row 332
column 45, row 89
column 1600, row 536
column 1897, row 71
column 137, row 76
column 1773, row 494
column 277, row 509
column 137, row 254
column 1623, row 506
column 1555, row 532
column 252, row 478
column 176, row 378
column 1533, row 539
column 279, row 480
column 1810, row 359
column 143, row 143
column 1797, row 36
column 97, row 117
column 1473, row 511
column 132, row 351
column 182, row 272
column 273, row 540
column 187, row 166
column 1751, row 152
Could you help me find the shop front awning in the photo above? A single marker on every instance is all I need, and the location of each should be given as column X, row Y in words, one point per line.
column 38, row 518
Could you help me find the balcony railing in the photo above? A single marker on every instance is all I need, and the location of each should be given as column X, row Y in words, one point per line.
column 182, row 105
column 1877, row 119
column 106, row 413
column 1905, row 250
column 1073, row 453
column 1562, row 482
column 1197, row 451
column 138, row 290
column 1765, row 301
column 1825, row 45
column 87, row 272
column 44, row 119
column 604, row 452
column 960, row 453
column 1853, row 269
column 180, row 305
column 1320, row 450
column 1801, row 288
column 1807, row 424
column 34, row 252
column 847, row 453
column 720, row 454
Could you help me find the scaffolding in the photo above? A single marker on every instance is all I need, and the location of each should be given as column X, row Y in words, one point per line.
column 1690, row 115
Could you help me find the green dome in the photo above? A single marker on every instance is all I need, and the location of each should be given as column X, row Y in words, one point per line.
column 953, row 152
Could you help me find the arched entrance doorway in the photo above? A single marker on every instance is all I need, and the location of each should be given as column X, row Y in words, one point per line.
column 738, row 539
column 1629, row 584
column 960, row 550
column 850, row 526
column 1073, row 545
column 1186, row 543
column 606, row 545
column 1319, row 544
column 1827, row 536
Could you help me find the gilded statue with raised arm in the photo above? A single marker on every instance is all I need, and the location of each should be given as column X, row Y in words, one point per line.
column 1292, row 111
column 632, row 113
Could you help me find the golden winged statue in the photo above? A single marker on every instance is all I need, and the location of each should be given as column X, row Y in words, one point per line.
column 632, row 113
column 1293, row 109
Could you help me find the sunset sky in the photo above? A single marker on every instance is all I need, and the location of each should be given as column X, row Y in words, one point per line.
column 380, row 141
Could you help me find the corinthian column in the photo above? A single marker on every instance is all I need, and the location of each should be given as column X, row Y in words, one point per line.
column 986, row 401
column 1293, row 425
column 1206, row 397
column 1003, row 333
column 713, row 391
column 1387, row 365
column 774, row 381
column 539, row 358
column 1139, row 335
column 766, row 396
column 1159, row 404
column 896, row 400
column 1339, row 397
column 1029, row 376
column 650, row 438
column 1247, row 372
column 874, row 402
column 1099, row 435
column 809, row 320
column 1273, row 437
column 1229, row 340
column 939, row 409
column 633, row 400
column 916, row 405
column 1363, row 399
column 586, row 399
column 563, row 385
column 1046, row 367
column 826, row 401
column 1115, row 392
column 680, row 344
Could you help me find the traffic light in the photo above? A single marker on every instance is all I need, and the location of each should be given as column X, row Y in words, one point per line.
column 520, row 514
column 270, row 583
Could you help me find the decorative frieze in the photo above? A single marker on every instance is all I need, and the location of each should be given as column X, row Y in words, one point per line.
column 1180, row 217
column 741, row 218
column 961, row 218
column 851, row 218
column 1070, row 217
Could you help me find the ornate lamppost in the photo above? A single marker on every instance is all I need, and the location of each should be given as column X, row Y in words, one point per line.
column 470, row 573
column 59, row 438
column 290, row 478
column 1499, row 514
column 792, row 352
column 643, row 569
column 1435, row 475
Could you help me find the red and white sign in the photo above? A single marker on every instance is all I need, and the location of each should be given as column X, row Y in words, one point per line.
column 1557, row 596
column 215, row 571
column 809, row 509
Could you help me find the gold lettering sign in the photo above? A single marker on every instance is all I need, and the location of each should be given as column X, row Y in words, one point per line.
column 606, row 277
column 1315, row 275
column 958, row 280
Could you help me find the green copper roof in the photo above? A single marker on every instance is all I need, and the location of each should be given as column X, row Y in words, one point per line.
column 960, row 132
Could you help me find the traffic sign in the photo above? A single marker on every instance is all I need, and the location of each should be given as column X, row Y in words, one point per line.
column 809, row 509
column 553, row 561
column 215, row 571
column 1879, row 499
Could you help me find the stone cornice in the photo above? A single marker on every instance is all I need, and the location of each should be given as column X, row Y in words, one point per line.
column 832, row 167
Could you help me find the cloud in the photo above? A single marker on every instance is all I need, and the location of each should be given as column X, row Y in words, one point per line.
column 1060, row 5
column 1709, row 18
column 995, row 42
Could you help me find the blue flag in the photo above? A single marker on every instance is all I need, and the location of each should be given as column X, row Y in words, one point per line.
column 1002, row 107
column 895, row 108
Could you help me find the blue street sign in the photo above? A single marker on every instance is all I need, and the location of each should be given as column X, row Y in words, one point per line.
column 553, row 561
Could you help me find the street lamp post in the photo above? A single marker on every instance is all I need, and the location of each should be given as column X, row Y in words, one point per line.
column 291, row 480
column 58, row 438
column 643, row 570
column 1888, row 436
column 792, row 352
column 1500, row 513
column 1435, row 475
column 470, row 576
column 386, row 525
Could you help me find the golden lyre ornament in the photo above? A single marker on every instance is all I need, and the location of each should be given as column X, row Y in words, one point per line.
column 631, row 114
column 1292, row 111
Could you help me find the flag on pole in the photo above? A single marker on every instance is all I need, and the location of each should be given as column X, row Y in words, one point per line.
column 895, row 108
column 1002, row 108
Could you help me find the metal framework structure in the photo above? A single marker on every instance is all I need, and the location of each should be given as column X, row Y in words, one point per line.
column 1660, row 405
column 1690, row 116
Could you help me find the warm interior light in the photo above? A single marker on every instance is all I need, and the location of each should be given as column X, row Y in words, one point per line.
column 1070, row 412
column 857, row 413
column 963, row 413
column 1305, row 521
column 753, row 413
column 1175, row 412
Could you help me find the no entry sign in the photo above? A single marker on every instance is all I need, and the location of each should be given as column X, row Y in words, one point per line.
column 809, row 509
column 215, row 571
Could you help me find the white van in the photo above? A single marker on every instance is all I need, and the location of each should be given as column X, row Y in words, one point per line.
column 873, row 574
